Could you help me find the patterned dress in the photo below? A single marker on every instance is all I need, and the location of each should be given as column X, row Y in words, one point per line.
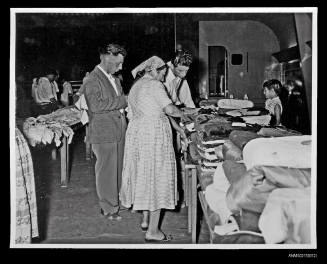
column 149, row 172
column 26, row 210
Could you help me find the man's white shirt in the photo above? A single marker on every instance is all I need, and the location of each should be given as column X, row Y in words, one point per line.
column 172, row 82
column 112, row 81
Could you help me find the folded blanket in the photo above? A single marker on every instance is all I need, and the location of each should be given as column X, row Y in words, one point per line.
column 206, row 177
column 277, row 132
column 262, row 120
column 234, row 103
column 251, row 190
column 241, row 138
column 293, row 152
column 233, row 170
column 208, row 156
column 219, row 151
column 231, row 151
column 216, row 200
column 211, row 163
column 286, row 216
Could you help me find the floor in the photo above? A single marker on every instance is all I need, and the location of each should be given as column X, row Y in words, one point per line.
column 71, row 215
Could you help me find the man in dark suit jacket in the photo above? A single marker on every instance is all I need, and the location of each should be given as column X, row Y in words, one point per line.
column 107, row 125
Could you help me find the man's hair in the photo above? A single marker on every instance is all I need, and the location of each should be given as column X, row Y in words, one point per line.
column 113, row 49
column 182, row 57
column 273, row 84
column 49, row 71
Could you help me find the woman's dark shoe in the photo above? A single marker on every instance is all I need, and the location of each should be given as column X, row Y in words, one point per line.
column 111, row 216
column 166, row 238
column 144, row 229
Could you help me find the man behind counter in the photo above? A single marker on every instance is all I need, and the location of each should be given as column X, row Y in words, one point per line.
column 175, row 83
column 179, row 92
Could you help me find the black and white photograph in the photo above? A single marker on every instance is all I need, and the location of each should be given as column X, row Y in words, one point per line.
column 182, row 128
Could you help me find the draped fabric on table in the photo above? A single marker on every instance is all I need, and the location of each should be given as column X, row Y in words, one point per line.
column 26, row 209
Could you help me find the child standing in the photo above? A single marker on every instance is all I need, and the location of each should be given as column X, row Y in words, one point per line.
column 272, row 89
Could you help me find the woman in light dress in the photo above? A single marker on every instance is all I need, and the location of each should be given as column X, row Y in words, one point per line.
column 149, row 170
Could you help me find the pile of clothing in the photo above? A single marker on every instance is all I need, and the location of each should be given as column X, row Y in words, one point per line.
column 210, row 135
column 48, row 128
column 267, row 175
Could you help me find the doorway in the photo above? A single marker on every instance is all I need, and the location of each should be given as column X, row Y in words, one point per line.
column 217, row 71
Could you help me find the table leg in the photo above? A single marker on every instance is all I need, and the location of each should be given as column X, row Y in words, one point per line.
column 184, row 180
column 63, row 160
column 189, row 195
column 194, row 205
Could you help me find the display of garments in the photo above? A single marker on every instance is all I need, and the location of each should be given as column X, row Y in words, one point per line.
column 178, row 89
column 149, row 172
column 26, row 208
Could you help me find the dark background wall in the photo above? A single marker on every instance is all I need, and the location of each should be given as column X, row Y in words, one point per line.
column 69, row 42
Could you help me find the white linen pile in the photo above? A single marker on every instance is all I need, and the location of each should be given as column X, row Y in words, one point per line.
column 215, row 194
column 290, row 152
column 286, row 216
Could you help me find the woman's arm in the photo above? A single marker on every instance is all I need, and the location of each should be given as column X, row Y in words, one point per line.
column 177, row 127
column 278, row 114
column 172, row 110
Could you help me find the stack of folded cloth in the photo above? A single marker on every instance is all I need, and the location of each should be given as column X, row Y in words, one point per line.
column 206, row 148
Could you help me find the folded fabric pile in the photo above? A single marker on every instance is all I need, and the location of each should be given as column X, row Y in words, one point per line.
column 262, row 120
column 241, row 138
column 286, row 216
column 277, row 132
column 234, row 104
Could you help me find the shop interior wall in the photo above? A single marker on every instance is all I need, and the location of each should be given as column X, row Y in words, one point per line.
column 187, row 34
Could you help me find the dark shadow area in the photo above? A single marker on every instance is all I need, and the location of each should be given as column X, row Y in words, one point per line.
column 41, row 156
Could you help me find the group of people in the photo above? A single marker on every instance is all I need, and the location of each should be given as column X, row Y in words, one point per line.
column 135, row 160
column 136, row 164
column 45, row 93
